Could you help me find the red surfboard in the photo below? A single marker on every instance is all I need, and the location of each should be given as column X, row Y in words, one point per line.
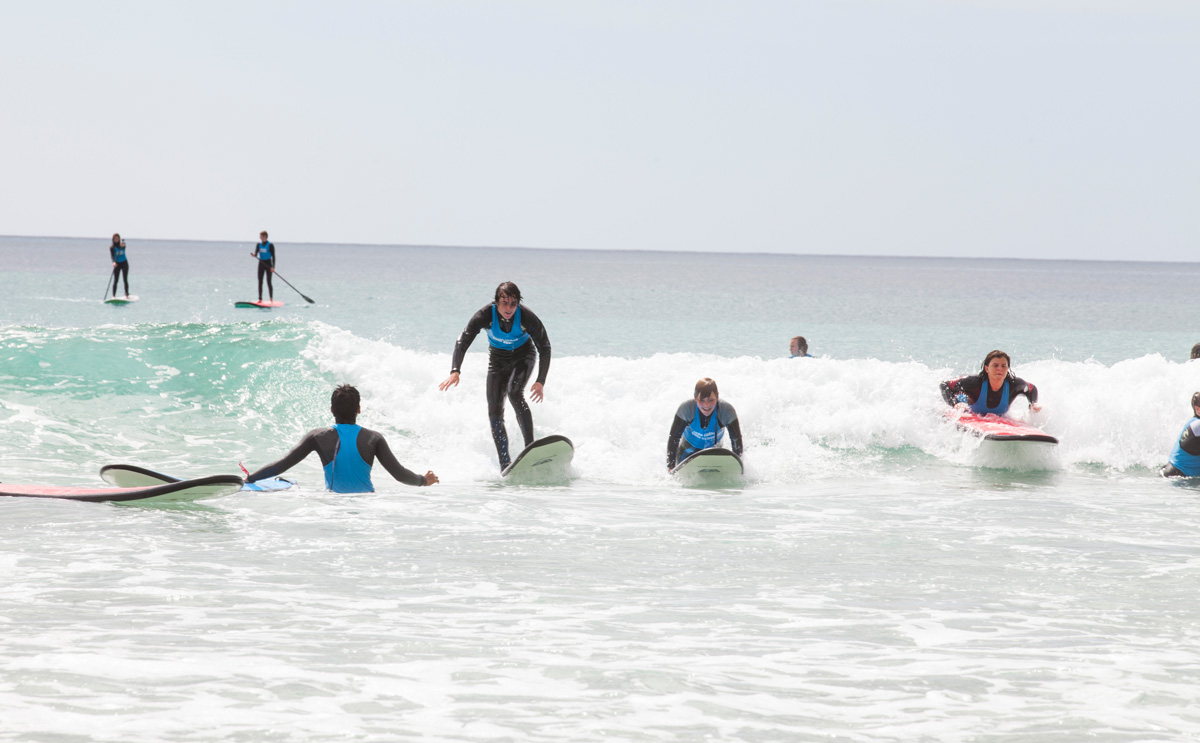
column 998, row 428
column 183, row 490
column 260, row 303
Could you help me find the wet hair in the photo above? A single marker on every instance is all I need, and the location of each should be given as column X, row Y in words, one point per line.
column 1196, row 351
column 706, row 387
column 997, row 354
column 1196, row 400
column 801, row 344
column 507, row 289
column 117, row 239
column 343, row 403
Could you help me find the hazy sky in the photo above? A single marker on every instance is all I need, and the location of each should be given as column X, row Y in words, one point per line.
column 968, row 128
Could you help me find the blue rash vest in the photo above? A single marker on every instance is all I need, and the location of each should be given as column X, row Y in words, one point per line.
column 1188, row 464
column 348, row 473
column 119, row 253
column 513, row 339
column 703, row 437
column 264, row 251
column 980, row 406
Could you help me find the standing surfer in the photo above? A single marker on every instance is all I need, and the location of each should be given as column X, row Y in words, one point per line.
column 1002, row 386
column 700, row 423
column 265, row 253
column 120, row 262
column 1185, row 455
column 510, row 327
column 347, row 451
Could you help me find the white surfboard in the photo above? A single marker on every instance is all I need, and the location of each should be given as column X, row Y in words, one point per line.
column 132, row 476
column 710, row 467
column 548, row 458
column 122, row 299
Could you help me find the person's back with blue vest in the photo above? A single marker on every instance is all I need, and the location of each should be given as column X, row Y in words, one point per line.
column 347, row 451
column 1184, row 460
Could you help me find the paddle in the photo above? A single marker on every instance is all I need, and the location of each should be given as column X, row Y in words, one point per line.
column 306, row 299
column 111, row 275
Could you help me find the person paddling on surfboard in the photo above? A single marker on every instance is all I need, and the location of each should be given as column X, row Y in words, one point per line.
column 265, row 253
column 700, row 423
column 347, row 451
column 510, row 327
column 120, row 263
column 1185, row 455
column 1002, row 386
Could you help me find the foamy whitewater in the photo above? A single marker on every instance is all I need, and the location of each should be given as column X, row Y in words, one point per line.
column 880, row 576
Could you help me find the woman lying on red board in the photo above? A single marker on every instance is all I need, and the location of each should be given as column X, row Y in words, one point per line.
column 991, row 390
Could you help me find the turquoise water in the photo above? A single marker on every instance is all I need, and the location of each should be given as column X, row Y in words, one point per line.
column 879, row 577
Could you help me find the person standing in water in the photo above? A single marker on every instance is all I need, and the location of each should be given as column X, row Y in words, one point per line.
column 513, row 333
column 265, row 253
column 1185, row 455
column 992, row 390
column 700, row 423
column 120, row 262
column 347, row 451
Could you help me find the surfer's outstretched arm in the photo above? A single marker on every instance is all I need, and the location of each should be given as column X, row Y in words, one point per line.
column 383, row 454
column 307, row 446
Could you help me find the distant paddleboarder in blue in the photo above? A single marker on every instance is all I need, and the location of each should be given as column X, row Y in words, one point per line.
column 1185, row 455
column 1002, row 387
column 513, row 333
column 799, row 348
column 700, row 423
column 265, row 253
column 120, row 262
column 347, row 451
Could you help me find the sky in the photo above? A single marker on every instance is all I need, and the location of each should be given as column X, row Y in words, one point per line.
column 968, row 128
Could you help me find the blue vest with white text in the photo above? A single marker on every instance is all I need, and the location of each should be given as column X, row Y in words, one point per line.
column 348, row 473
column 119, row 253
column 514, row 338
column 703, row 437
column 264, row 251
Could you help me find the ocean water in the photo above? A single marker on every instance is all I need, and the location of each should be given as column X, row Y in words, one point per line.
column 879, row 576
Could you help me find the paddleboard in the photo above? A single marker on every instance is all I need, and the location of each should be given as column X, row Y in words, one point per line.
column 262, row 305
column 546, row 458
column 132, row 476
column 998, row 428
column 121, row 300
column 183, row 490
column 710, row 466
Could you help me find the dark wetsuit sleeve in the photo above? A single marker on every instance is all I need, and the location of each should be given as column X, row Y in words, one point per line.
column 112, row 251
column 478, row 322
column 727, row 416
column 1189, row 440
column 373, row 446
column 969, row 386
column 307, row 446
column 673, row 440
column 1021, row 387
column 537, row 331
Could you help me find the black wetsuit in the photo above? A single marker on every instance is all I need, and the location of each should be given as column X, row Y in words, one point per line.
column 324, row 441
column 1186, row 449
column 971, row 387
column 265, row 267
column 121, row 269
column 508, row 372
column 678, row 448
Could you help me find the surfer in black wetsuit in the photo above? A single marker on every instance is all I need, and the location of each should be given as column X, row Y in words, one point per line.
column 1001, row 384
column 265, row 253
column 510, row 326
column 347, row 451
column 701, row 423
column 120, row 262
